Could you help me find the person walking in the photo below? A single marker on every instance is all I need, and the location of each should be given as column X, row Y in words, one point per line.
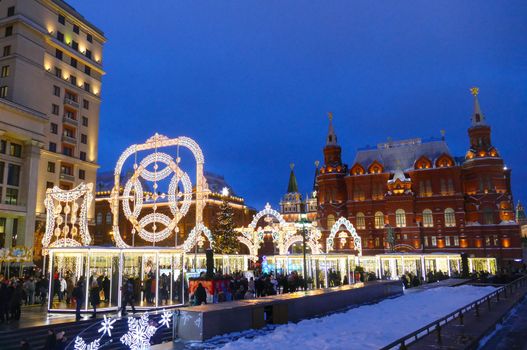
column 69, row 289
column 63, row 288
column 95, row 298
column 16, row 301
column 200, row 295
column 128, row 296
column 106, row 288
column 78, row 294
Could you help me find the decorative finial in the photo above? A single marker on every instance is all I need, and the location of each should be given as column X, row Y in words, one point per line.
column 292, row 165
column 317, row 163
column 474, row 91
column 330, row 116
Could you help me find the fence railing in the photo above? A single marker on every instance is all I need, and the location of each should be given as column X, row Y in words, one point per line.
column 437, row 325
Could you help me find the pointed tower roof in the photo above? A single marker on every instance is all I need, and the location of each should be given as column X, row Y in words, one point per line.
column 477, row 118
column 292, row 187
column 316, row 174
column 520, row 213
column 332, row 138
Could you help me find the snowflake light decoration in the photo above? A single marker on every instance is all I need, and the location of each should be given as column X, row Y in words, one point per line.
column 106, row 326
column 165, row 319
column 139, row 333
column 80, row 344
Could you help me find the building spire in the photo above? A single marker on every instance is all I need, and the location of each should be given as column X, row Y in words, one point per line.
column 316, row 174
column 477, row 118
column 292, row 187
column 332, row 138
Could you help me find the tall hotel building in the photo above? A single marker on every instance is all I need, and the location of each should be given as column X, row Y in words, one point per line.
column 50, row 84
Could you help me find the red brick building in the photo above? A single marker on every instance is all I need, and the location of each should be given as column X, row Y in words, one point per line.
column 429, row 199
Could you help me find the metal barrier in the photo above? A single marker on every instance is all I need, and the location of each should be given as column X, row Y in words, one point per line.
column 436, row 325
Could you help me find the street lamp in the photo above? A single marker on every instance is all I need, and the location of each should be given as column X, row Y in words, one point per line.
column 303, row 222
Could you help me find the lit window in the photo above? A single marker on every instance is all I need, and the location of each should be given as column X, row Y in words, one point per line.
column 450, row 217
column 3, row 91
column 379, row 220
column 108, row 218
column 11, row 196
column 428, row 218
column 456, row 240
column 434, row 241
column 99, row 218
column 447, row 241
column 400, row 218
column 15, row 150
column 5, row 71
column 361, row 222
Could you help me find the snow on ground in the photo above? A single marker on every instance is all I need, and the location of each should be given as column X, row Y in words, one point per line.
column 368, row 326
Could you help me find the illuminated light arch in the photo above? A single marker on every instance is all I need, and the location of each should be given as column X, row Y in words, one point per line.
column 348, row 227
column 193, row 236
column 178, row 202
column 65, row 219
column 267, row 211
column 311, row 241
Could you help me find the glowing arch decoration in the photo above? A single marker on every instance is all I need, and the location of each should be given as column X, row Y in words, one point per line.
column 312, row 241
column 67, row 216
column 349, row 232
column 156, row 168
column 265, row 212
column 194, row 235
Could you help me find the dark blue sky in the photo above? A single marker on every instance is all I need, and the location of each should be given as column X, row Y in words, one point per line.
column 251, row 81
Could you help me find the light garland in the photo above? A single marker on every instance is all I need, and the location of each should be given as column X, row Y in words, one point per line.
column 57, row 216
column 193, row 236
column 337, row 228
column 178, row 202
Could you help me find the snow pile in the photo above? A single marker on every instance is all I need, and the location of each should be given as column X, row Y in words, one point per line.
column 368, row 326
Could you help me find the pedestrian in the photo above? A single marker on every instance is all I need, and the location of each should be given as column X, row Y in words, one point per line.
column 78, row 294
column 106, row 288
column 4, row 311
column 95, row 298
column 63, row 288
column 200, row 295
column 16, row 300
column 69, row 289
column 128, row 296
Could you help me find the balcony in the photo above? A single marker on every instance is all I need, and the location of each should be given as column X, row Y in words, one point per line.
column 71, row 102
column 69, row 139
column 70, row 121
column 67, row 177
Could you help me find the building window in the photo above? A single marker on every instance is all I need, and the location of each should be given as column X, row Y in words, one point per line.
column 49, row 184
column 7, row 50
column 54, row 128
column 3, row 91
column 400, row 218
column 75, row 29
column 450, row 217
column 434, row 241
column 82, row 174
column 14, row 232
column 86, row 87
column 5, row 72
column 9, row 31
column 86, row 104
column 456, row 240
column 75, row 45
column 84, row 138
column 428, row 218
column 58, row 54
column 52, row 147
column 361, row 221
column 108, row 218
column 88, row 54
column 73, row 62
column 11, row 196
column 2, row 232
column 60, row 36
column 13, row 175
column 58, row 72
column 425, row 240
column 15, row 150
column 10, row 11
column 82, row 156
column 66, row 169
column 3, row 146
column 84, row 121
column 99, row 218
column 67, row 151
column 379, row 220
column 62, row 19
column 447, row 241
column 488, row 216
column 2, row 164
column 51, row 167
column 73, row 80
column 89, row 38
column 56, row 90
column 87, row 70
column 451, row 186
column 55, row 109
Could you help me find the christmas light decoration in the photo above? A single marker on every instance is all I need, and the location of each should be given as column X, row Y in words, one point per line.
column 139, row 333
column 62, row 210
column 80, row 344
column 106, row 326
column 336, row 228
column 165, row 319
column 155, row 167
column 193, row 237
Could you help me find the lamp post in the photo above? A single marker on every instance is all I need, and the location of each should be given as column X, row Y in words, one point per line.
column 303, row 222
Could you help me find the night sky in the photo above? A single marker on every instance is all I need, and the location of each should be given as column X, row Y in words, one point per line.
column 252, row 81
